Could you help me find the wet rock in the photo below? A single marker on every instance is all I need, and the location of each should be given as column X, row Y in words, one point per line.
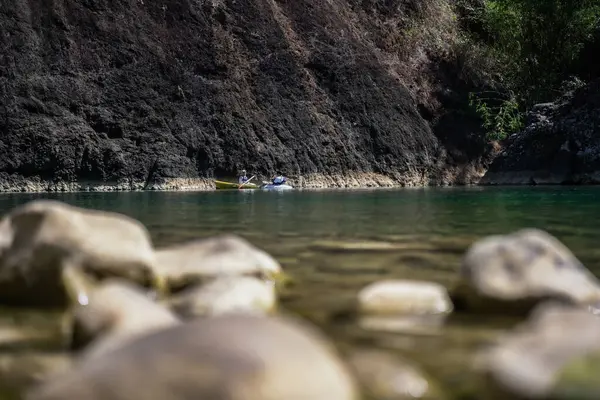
column 403, row 306
column 553, row 355
column 512, row 273
column 225, row 357
column 224, row 295
column 201, row 260
column 404, row 297
column 40, row 238
column 112, row 314
column 386, row 377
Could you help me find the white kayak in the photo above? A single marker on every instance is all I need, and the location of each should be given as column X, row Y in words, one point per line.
column 270, row 186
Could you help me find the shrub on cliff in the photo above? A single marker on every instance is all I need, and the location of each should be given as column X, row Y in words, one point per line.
column 540, row 40
column 538, row 43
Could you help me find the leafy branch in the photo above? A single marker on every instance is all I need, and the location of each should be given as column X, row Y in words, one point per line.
column 501, row 115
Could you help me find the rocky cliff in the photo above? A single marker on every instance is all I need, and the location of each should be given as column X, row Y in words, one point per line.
column 166, row 94
column 560, row 144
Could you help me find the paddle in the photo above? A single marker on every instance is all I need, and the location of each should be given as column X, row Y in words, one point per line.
column 239, row 187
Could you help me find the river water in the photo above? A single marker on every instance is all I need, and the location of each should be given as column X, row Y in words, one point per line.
column 314, row 235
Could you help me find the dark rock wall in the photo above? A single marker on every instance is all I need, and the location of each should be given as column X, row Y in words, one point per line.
column 560, row 144
column 119, row 90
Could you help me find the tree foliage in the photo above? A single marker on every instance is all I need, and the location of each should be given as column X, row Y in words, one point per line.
column 538, row 43
column 540, row 39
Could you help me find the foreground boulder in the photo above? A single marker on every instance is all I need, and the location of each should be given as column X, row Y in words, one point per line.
column 112, row 314
column 201, row 260
column 233, row 357
column 512, row 273
column 554, row 355
column 224, row 295
column 40, row 238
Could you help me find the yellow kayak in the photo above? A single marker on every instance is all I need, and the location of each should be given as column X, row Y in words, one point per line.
column 233, row 186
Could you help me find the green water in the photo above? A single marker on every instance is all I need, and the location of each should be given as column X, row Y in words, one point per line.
column 433, row 226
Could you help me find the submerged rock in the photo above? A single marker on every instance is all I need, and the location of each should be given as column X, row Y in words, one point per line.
column 512, row 273
column 40, row 238
column 422, row 325
column 367, row 246
column 235, row 357
column 114, row 313
column 225, row 295
column 386, row 377
column 553, row 355
column 12, row 335
column 404, row 297
column 20, row 370
column 196, row 261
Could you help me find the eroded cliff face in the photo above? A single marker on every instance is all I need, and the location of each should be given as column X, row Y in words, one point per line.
column 560, row 144
column 165, row 94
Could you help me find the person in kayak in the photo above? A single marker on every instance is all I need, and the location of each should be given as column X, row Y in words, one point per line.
column 279, row 180
column 243, row 178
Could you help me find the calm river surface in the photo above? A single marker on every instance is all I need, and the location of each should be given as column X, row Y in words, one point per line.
column 432, row 228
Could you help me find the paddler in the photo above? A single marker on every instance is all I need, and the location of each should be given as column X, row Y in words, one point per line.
column 243, row 178
column 279, row 180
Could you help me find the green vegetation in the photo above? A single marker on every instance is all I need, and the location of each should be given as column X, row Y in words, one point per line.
column 536, row 45
column 501, row 115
